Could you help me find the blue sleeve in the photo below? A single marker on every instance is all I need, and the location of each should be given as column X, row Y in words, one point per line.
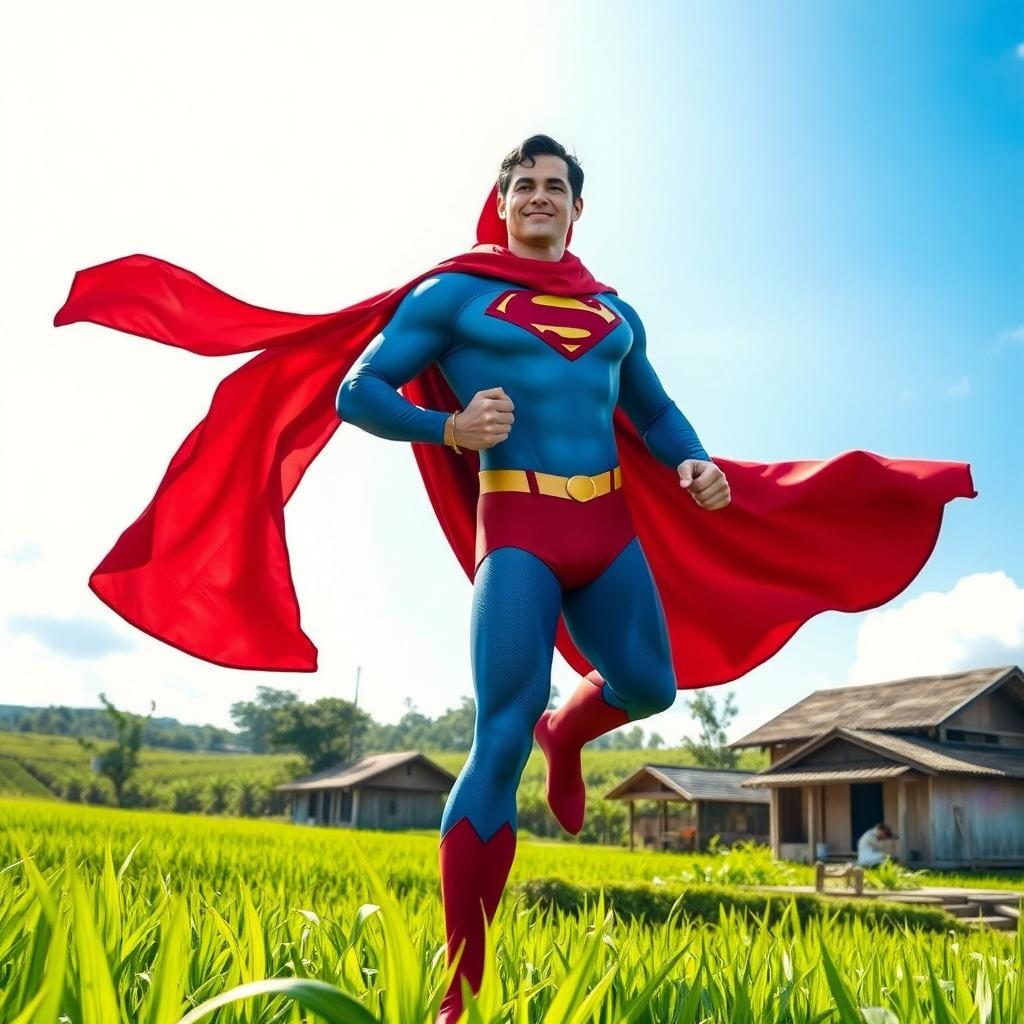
column 668, row 434
column 415, row 336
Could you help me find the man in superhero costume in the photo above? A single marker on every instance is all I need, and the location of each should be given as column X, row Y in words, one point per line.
column 547, row 509
column 539, row 377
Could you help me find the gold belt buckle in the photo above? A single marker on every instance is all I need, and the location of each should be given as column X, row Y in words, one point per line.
column 581, row 487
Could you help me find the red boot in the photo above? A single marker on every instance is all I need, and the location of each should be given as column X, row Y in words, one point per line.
column 561, row 735
column 472, row 872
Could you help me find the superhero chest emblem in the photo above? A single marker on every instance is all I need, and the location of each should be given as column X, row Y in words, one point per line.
column 570, row 326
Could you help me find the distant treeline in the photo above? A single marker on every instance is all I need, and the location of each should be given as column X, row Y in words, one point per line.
column 331, row 729
column 268, row 724
column 96, row 723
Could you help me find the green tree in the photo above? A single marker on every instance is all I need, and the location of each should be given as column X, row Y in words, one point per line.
column 117, row 763
column 325, row 732
column 258, row 718
column 454, row 729
column 617, row 739
column 709, row 750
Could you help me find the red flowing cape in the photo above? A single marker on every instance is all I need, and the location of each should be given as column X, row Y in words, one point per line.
column 205, row 567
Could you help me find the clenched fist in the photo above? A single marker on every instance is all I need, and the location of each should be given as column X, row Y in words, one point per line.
column 705, row 482
column 486, row 421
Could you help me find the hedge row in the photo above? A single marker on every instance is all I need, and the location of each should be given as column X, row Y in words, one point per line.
column 652, row 904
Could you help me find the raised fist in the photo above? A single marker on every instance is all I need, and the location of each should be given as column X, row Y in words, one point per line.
column 486, row 421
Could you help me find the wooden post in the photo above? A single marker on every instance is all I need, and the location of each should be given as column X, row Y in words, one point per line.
column 901, row 820
column 812, row 822
column 774, row 831
column 664, row 823
column 962, row 829
column 696, row 826
column 630, row 826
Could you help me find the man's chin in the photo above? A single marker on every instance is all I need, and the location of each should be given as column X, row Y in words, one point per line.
column 545, row 237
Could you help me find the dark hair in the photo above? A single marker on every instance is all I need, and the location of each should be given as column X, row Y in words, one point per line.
column 537, row 145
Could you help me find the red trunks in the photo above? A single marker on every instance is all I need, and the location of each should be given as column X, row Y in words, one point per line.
column 577, row 539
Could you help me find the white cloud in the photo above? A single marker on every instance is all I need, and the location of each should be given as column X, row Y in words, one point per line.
column 1020, row 51
column 979, row 623
column 1011, row 336
column 23, row 553
column 74, row 637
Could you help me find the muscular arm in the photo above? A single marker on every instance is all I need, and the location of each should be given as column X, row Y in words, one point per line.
column 416, row 336
column 668, row 434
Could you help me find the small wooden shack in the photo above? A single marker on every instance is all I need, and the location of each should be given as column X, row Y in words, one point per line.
column 710, row 801
column 382, row 791
column 938, row 758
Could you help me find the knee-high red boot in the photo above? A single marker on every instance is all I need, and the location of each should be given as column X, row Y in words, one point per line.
column 561, row 734
column 473, row 872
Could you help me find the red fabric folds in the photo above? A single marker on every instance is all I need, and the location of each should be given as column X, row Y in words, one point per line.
column 205, row 566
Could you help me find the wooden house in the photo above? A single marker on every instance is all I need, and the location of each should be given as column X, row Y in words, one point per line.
column 938, row 758
column 380, row 791
column 695, row 803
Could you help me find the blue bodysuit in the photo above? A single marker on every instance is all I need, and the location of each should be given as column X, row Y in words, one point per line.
column 565, row 382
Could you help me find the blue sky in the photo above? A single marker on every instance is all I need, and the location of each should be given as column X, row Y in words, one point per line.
column 816, row 209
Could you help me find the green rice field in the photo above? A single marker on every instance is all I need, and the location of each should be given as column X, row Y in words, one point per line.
column 111, row 916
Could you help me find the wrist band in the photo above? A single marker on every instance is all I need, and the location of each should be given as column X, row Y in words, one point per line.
column 458, row 450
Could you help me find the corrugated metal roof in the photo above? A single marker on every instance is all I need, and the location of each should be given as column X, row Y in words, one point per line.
column 353, row 772
column 876, row 773
column 913, row 703
column 695, row 783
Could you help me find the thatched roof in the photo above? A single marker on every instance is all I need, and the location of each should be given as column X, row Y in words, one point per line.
column 352, row 773
column 916, row 702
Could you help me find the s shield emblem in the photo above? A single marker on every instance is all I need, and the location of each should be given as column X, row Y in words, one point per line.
column 569, row 325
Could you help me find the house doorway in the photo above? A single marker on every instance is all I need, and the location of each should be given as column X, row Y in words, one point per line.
column 865, row 808
column 791, row 815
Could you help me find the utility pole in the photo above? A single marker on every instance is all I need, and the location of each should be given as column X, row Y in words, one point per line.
column 352, row 730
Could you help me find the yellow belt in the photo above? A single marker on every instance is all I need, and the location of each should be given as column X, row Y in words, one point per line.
column 579, row 487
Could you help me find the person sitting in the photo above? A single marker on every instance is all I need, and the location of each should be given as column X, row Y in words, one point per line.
column 869, row 849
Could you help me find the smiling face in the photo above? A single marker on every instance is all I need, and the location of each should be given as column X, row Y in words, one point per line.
column 538, row 206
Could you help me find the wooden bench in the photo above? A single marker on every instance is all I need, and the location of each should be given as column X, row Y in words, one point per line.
column 840, row 856
column 850, row 871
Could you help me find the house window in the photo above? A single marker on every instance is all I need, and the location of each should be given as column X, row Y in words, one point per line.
column 392, row 807
column 962, row 736
column 345, row 814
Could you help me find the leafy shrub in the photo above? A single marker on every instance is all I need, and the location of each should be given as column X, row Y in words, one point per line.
column 97, row 791
column 73, row 790
column 890, row 874
column 743, row 863
column 652, row 904
column 221, row 795
column 187, row 797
